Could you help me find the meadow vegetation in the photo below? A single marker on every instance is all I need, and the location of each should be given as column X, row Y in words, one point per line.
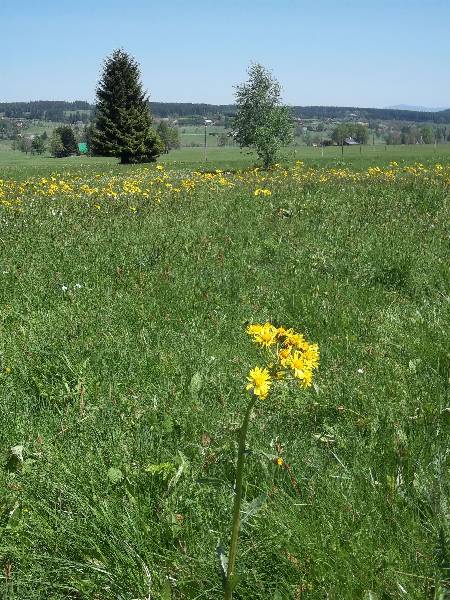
column 125, row 295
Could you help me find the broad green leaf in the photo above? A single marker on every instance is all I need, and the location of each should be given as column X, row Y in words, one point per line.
column 115, row 475
column 196, row 385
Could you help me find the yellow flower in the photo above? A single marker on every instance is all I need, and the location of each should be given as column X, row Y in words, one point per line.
column 262, row 192
column 291, row 338
column 301, row 368
column 259, row 382
column 311, row 356
column 284, row 355
column 305, row 378
column 296, row 362
column 266, row 334
column 280, row 461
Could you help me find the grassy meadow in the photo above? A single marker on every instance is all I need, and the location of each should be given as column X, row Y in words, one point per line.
column 124, row 297
column 19, row 165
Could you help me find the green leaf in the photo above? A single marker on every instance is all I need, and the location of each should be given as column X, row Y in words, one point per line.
column 28, row 464
column 115, row 475
column 253, row 507
column 196, row 384
column 165, row 470
column 166, row 591
column 167, row 424
column 184, row 465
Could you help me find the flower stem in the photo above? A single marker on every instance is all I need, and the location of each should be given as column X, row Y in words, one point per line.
column 231, row 574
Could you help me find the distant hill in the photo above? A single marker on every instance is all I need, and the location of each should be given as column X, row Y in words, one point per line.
column 417, row 108
column 48, row 110
column 184, row 109
column 79, row 110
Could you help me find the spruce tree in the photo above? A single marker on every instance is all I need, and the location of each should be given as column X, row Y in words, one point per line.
column 63, row 142
column 123, row 120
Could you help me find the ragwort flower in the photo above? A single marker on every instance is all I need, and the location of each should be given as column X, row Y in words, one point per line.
column 259, row 382
column 266, row 334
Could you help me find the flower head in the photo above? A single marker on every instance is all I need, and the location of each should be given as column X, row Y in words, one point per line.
column 259, row 382
column 262, row 192
column 311, row 355
column 266, row 334
column 294, row 357
column 301, row 367
column 284, row 355
column 293, row 339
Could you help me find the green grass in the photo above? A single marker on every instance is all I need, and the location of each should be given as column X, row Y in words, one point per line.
column 16, row 164
column 195, row 134
column 123, row 358
column 38, row 127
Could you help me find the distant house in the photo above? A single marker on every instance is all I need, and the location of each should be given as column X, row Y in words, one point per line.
column 350, row 142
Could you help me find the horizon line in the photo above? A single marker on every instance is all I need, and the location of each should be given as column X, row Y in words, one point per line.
column 412, row 108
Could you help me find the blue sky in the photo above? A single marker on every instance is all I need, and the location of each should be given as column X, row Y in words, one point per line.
column 331, row 52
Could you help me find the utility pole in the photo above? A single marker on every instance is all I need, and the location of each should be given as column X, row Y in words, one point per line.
column 207, row 122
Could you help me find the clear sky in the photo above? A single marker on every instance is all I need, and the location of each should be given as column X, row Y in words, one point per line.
column 331, row 52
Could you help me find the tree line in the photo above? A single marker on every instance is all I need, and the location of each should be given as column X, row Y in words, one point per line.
column 383, row 114
column 48, row 110
column 411, row 134
column 69, row 112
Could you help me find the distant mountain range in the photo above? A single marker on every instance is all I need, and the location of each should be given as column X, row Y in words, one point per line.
column 417, row 108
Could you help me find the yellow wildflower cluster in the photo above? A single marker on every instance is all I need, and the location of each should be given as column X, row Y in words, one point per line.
column 262, row 192
column 291, row 356
column 143, row 184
